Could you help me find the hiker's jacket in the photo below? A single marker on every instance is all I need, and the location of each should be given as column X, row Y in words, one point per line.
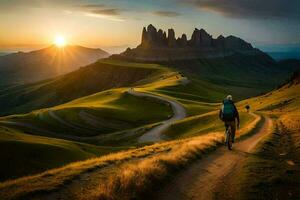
column 235, row 115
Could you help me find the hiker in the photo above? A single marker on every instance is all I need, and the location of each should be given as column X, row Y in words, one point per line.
column 230, row 115
column 247, row 108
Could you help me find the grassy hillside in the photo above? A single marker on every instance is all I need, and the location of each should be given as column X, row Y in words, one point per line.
column 200, row 124
column 100, row 114
column 291, row 64
column 243, row 76
column 87, row 80
column 127, row 174
column 91, row 107
column 210, row 80
column 23, row 154
column 273, row 171
column 108, row 118
column 284, row 100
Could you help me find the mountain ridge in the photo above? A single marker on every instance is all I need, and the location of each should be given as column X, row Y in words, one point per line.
column 26, row 67
column 157, row 45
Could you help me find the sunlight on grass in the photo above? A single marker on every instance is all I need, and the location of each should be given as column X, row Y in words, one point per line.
column 153, row 162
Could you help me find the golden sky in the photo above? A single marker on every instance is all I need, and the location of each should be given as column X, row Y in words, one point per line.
column 98, row 23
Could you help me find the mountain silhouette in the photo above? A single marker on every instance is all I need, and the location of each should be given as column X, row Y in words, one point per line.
column 157, row 45
column 46, row 63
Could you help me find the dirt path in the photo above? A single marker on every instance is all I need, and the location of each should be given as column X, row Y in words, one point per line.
column 210, row 177
column 154, row 134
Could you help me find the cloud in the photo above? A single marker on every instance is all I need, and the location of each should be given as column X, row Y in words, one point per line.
column 251, row 8
column 107, row 11
column 102, row 11
column 163, row 13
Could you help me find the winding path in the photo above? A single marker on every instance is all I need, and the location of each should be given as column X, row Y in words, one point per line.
column 154, row 134
column 213, row 176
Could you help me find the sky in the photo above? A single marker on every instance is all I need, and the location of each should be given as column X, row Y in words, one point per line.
column 117, row 24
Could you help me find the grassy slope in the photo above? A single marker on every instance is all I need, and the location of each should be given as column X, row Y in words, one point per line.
column 210, row 81
column 118, row 113
column 197, row 96
column 117, row 110
column 242, row 76
column 139, row 169
column 201, row 124
column 284, row 100
column 114, row 110
column 24, row 154
column 273, row 171
column 96, row 77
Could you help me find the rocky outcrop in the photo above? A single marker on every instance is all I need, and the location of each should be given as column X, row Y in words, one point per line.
column 158, row 45
column 151, row 38
column 171, row 38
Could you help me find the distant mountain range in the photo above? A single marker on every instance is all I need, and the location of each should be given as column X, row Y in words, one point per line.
column 157, row 45
column 281, row 51
column 45, row 63
column 282, row 55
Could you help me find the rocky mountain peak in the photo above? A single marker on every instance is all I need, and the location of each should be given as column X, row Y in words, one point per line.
column 200, row 44
column 151, row 38
column 171, row 38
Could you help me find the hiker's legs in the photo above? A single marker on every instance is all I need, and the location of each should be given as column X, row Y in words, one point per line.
column 226, row 124
column 232, row 125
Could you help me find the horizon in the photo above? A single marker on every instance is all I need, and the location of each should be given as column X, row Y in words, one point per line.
column 105, row 22
column 116, row 49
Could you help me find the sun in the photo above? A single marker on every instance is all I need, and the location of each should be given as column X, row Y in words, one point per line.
column 60, row 41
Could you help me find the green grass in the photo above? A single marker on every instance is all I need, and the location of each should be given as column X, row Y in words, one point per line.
column 197, row 125
column 100, row 76
column 121, row 118
column 118, row 113
column 23, row 154
column 181, row 151
column 134, row 171
column 280, row 101
column 114, row 110
column 240, row 75
column 196, row 90
column 197, row 108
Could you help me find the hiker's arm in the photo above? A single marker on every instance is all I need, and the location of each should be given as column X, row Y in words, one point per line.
column 237, row 116
column 220, row 115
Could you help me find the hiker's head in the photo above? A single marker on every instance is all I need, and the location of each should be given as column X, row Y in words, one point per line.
column 229, row 97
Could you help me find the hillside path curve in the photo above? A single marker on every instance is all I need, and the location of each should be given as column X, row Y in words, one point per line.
column 154, row 134
column 213, row 176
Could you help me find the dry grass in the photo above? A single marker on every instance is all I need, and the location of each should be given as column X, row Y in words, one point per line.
column 268, row 173
column 133, row 180
column 137, row 179
column 292, row 120
column 53, row 179
column 137, row 170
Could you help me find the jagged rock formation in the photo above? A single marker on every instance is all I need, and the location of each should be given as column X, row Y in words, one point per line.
column 151, row 38
column 159, row 46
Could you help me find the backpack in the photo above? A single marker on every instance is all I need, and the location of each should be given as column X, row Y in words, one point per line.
column 228, row 110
